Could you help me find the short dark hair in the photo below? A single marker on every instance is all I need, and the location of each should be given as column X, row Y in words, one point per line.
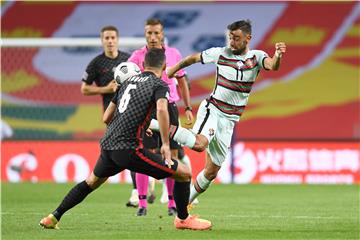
column 243, row 25
column 155, row 58
column 110, row 28
column 153, row 21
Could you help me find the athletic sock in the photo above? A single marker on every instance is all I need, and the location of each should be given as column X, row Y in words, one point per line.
column 154, row 125
column 142, row 182
column 199, row 186
column 183, row 136
column 151, row 187
column 74, row 197
column 170, row 188
column 133, row 178
column 164, row 188
column 164, row 195
column 181, row 196
column 186, row 160
column 134, row 193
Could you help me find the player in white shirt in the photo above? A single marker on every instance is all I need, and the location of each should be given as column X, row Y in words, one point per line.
column 236, row 70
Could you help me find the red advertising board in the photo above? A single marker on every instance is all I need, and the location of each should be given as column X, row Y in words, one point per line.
column 59, row 161
column 248, row 162
column 295, row 162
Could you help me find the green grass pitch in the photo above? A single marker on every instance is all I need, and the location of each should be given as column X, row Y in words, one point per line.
column 237, row 212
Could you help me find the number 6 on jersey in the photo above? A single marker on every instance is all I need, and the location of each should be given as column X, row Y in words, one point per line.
column 124, row 101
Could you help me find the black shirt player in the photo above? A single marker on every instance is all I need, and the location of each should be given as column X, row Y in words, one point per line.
column 121, row 147
column 101, row 69
column 101, row 72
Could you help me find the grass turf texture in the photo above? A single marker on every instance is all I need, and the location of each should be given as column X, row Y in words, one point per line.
column 236, row 211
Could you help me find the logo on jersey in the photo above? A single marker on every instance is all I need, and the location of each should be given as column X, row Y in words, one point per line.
column 211, row 132
column 240, row 64
column 249, row 63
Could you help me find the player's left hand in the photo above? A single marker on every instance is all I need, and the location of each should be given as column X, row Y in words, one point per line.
column 166, row 154
column 149, row 132
column 280, row 49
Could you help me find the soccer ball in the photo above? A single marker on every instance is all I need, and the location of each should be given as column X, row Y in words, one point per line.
column 125, row 70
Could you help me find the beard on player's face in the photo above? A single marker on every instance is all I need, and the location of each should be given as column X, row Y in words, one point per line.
column 239, row 49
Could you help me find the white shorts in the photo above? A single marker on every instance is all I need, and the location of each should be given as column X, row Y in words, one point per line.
column 217, row 128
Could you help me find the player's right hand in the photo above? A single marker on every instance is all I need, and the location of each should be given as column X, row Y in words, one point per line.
column 280, row 49
column 166, row 154
column 112, row 86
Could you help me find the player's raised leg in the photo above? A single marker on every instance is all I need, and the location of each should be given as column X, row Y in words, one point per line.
column 184, row 136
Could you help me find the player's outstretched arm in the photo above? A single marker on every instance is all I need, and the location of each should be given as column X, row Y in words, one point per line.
column 87, row 89
column 185, row 62
column 109, row 113
column 274, row 62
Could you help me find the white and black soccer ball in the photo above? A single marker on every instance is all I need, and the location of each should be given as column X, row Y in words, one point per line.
column 125, row 70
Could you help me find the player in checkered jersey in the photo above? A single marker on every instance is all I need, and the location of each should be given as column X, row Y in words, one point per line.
column 237, row 68
column 127, row 116
column 98, row 79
